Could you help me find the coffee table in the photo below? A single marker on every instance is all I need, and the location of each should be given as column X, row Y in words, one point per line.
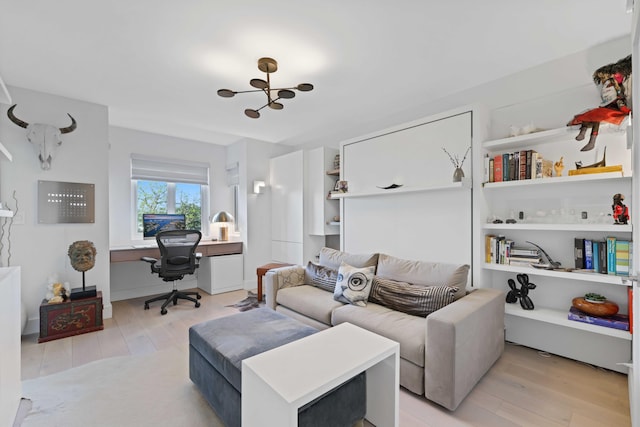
column 276, row 383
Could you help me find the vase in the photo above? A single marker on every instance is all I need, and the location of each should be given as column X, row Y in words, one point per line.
column 458, row 174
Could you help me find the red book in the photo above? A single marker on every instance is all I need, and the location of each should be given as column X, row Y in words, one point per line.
column 497, row 168
column 630, row 294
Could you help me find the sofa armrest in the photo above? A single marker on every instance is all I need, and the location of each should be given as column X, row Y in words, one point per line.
column 463, row 340
column 278, row 278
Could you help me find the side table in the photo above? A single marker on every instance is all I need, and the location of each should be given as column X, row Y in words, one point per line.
column 70, row 318
column 262, row 270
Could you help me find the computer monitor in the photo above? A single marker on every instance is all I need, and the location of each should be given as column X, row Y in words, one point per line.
column 152, row 224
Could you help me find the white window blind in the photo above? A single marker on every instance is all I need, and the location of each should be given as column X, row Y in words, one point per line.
column 168, row 170
column 233, row 174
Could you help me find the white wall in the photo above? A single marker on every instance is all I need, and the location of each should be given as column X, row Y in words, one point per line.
column 133, row 279
column 41, row 249
column 255, row 209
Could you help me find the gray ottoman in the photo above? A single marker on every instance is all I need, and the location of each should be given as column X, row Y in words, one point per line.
column 217, row 348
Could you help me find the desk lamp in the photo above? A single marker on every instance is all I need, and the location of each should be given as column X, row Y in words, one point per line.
column 223, row 219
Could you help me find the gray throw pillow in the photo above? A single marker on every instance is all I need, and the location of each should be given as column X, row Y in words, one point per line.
column 353, row 285
column 320, row 276
column 332, row 258
column 411, row 299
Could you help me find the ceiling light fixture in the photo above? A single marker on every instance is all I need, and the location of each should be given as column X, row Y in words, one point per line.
column 267, row 65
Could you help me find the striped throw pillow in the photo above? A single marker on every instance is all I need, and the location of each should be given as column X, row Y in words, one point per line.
column 411, row 299
column 320, row 276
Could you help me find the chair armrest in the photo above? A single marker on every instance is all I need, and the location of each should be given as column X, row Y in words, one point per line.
column 463, row 340
column 149, row 259
column 278, row 278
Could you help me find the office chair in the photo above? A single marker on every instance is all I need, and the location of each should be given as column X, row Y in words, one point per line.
column 177, row 258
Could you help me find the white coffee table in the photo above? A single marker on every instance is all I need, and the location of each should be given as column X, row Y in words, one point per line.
column 276, row 383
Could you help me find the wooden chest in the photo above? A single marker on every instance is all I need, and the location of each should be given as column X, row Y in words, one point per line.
column 70, row 318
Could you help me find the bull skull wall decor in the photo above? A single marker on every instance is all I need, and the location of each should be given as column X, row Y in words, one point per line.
column 46, row 138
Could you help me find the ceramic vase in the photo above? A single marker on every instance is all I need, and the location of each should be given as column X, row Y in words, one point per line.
column 458, row 174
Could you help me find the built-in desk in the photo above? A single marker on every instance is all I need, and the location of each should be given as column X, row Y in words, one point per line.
column 205, row 247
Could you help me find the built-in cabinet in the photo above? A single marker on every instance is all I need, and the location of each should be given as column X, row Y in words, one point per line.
column 552, row 212
column 218, row 274
column 321, row 174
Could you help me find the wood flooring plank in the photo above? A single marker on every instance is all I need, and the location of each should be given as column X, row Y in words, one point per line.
column 85, row 348
column 56, row 357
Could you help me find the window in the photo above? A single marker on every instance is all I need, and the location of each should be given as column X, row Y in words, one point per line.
column 170, row 186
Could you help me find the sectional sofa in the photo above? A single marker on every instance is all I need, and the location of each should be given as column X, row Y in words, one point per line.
column 442, row 355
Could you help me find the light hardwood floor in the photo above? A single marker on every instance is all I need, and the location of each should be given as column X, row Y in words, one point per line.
column 524, row 388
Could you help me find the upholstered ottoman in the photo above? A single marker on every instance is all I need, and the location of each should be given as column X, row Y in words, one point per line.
column 217, row 348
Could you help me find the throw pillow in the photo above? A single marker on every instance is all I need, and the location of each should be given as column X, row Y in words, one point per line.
column 320, row 276
column 353, row 285
column 332, row 258
column 411, row 299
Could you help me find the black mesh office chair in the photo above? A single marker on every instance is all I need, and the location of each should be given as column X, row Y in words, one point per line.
column 177, row 258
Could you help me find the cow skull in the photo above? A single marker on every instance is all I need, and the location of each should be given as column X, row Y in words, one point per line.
column 46, row 138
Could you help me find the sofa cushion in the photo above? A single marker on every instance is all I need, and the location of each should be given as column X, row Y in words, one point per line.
column 320, row 276
column 424, row 273
column 354, row 284
column 332, row 258
column 407, row 330
column 311, row 301
column 411, row 299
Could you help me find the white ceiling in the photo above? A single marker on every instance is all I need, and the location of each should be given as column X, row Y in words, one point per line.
column 158, row 64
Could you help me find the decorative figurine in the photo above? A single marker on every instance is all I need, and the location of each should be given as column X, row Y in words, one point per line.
column 521, row 294
column 82, row 255
column 620, row 210
column 614, row 81
column 458, row 173
column 559, row 166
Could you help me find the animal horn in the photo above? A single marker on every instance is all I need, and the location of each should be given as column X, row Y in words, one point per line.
column 14, row 119
column 71, row 127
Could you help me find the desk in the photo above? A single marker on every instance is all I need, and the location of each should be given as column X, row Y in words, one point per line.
column 206, row 247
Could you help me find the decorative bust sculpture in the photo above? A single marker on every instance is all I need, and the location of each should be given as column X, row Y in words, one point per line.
column 82, row 255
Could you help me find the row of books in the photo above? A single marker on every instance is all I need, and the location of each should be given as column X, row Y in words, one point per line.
column 500, row 250
column 617, row 321
column 524, row 164
column 607, row 256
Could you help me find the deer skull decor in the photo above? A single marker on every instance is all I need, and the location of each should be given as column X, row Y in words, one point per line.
column 46, row 138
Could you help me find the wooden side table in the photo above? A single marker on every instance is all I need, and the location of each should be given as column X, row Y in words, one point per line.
column 262, row 270
column 70, row 318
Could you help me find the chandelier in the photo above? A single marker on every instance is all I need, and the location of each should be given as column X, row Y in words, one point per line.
column 267, row 65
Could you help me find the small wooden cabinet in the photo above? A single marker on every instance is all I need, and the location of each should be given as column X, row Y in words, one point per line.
column 70, row 318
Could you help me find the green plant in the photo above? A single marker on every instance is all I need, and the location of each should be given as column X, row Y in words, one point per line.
column 594, row 297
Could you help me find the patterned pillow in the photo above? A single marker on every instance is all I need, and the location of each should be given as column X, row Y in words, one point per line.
column 354, row 284
column 411, row 299
column 320, row 276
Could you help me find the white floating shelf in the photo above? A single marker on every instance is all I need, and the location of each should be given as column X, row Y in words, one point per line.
column 559, row 317
column 405, row 189
column 6, row 213
column 571, row 275
column 6, row 152
column 605, row 228
column 535, row 138
column 558, row 180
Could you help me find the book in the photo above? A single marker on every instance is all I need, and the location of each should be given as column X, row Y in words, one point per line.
column 578, row 254
column 488, row 252
column 524, row 252
column 523, row 165
column 588, row 254
column 547, row 168
column 602, row 257
column 611, row 255
column 485, row 164
column 622, row 257
column 513, row 174
column 505, row 167
column 599, row 169
column 491, row 172
column 596, row 258
column 497, row 168
column 617, row 321
column 538, row 166
column 630, row 296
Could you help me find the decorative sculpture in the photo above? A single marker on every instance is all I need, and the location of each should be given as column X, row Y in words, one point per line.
column 46, row 138
column 521, row 294
column 620, row 210
column 82, row 254
column 614, row 81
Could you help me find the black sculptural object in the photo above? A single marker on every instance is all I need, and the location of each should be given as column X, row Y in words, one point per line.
column 521, row 294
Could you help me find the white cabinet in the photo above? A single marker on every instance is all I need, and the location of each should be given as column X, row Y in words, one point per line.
column 552, row 213
column 218, row 274
column 321, row 210
column 10, row 385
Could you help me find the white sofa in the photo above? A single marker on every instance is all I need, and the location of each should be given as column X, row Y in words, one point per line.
column 442, row 356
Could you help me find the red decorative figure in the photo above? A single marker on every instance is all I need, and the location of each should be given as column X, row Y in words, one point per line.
column 620, row 210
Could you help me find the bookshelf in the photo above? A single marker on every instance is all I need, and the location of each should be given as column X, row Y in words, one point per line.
column 546, row 203
column 464, row 184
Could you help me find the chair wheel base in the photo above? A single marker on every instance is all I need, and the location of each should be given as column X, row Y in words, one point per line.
column 198, row 296
column 197, row 304
column 146, row 306
column 163, row 311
